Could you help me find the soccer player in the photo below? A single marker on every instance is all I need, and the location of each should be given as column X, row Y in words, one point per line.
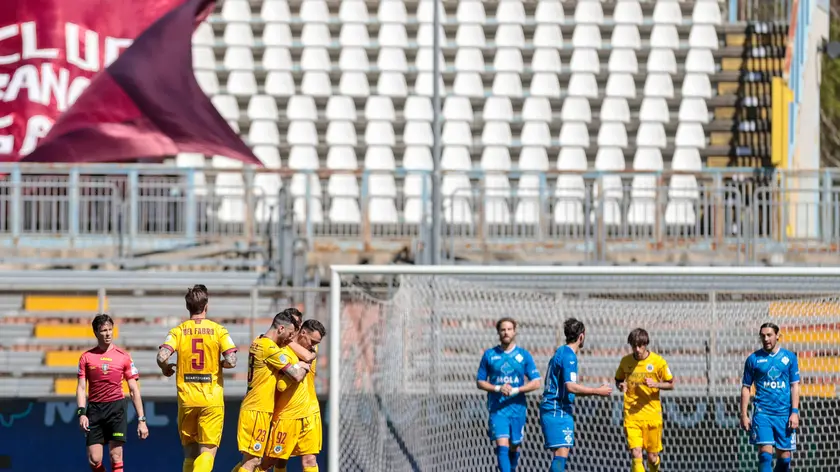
column 775, row 373
column 199, row 343
column 295, row 430
column 309, row 460
column 561, row 387
column 266, row 363
column 103, row 413
column 502, row 373
column 641, row 375
column 303, row 354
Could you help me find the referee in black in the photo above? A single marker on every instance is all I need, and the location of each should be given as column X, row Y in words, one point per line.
column 103, row 412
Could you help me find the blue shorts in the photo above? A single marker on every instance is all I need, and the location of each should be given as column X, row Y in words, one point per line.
column 558, row 429
column 506, row 426
column 772, row 430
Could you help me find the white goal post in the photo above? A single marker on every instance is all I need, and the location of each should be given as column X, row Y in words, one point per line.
column 724, row 304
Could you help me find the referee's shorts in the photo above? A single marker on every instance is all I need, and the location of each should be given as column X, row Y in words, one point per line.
column 108, row 422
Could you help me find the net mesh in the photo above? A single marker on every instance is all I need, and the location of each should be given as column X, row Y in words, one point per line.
column 411, row 348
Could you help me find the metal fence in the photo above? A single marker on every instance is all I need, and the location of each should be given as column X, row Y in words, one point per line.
column 776, row 11
column 740, row 216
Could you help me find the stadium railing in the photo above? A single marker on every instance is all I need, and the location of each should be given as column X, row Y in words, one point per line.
column 116, row 214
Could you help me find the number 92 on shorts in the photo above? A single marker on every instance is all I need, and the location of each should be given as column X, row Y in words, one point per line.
column 297, row 437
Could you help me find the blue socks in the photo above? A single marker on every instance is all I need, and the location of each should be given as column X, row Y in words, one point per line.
column 514, row 460
column 782, row 464
column 558, row 464
column 765, row 462
column 503, row 456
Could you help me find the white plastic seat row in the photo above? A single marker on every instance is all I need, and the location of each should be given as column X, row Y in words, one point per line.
column 614, row 135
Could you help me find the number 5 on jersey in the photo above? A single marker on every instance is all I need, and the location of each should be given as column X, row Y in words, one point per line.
column 198, row 351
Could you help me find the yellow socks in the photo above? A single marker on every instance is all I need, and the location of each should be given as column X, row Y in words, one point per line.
column 638, row 465
column 204, row 463
column 188, row 465
column 310, row 469
column 654, row 466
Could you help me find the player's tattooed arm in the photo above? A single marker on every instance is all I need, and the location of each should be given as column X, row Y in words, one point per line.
column 296, row 371
column 305, row 355
column 163, row 356
column 230, row 360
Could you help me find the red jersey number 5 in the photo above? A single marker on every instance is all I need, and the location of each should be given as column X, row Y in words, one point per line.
column 198, row 350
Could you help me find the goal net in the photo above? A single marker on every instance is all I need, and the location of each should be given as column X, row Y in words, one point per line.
column 410, row 345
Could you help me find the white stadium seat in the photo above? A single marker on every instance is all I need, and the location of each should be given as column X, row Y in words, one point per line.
column 341, row 108
column 667, row 13
column 469, row 12
column 238, row 34
column 353, row 11
column 703, row 37
column 314, row 11
column 576, row 109
column 392, row 12
column 549, row 12
column 457, row 108
column 628, row 12
column 275, row 11
column 626, row 36
column 236, row 10
column 262, row 107
column 706, row 13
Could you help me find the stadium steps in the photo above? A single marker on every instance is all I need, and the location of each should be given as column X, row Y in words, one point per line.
column 761, row 58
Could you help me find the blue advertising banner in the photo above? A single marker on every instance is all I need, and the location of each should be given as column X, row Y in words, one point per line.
column 36, row 436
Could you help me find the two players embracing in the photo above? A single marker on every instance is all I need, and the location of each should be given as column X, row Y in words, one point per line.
column 506, row 371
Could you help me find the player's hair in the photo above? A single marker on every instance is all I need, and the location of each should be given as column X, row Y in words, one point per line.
column 506, row 319
column 314, row 325
column 196, row 298
column 638, row 337
column 100, row 320
column 284, row 318
column 770, row 325
column 296, row 314
column 573, row 328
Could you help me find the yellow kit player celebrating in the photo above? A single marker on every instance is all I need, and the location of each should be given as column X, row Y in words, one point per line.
column 267, row 363
column 296, row 424
column 199, row 344
column 641, row 376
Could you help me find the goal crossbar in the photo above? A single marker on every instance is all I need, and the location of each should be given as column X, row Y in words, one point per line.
column 337, row 271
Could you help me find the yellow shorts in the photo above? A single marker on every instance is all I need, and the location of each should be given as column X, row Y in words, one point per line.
column 645, row 435
column 201, row 424
column 252, row 432
column 298, row 437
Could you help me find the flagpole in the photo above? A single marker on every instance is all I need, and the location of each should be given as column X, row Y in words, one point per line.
column 435, row 240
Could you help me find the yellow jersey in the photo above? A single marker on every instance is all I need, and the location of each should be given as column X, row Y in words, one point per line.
column 199, row 345
column 266, row 361
column 309, row 380
column 641, row 403
column 293, row 402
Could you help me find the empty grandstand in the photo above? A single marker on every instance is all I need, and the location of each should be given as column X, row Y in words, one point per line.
column 571, row 132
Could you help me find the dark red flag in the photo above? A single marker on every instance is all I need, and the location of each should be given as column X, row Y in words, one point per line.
column 146, row 104
column 49, row 51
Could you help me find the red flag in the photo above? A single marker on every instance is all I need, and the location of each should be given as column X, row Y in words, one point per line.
column 146, row 104
column 49, row 51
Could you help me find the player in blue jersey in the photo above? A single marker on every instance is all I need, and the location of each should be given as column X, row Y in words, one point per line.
column 561, row 387
column 506, row 373
column 775, row 373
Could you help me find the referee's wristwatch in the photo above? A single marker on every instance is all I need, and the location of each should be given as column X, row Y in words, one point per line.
column 142, row 419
